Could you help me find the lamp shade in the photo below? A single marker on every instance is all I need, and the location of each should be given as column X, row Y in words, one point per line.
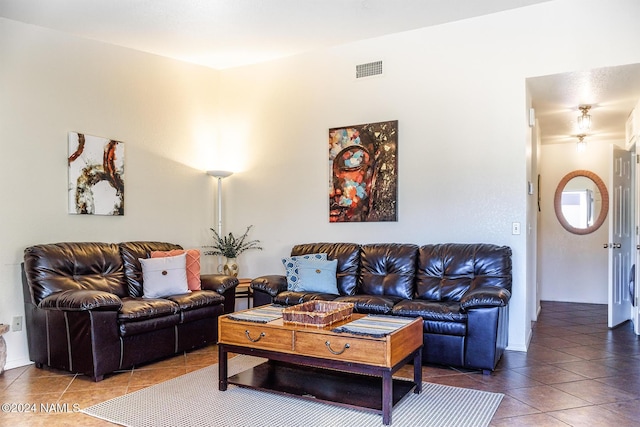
column 219, row 173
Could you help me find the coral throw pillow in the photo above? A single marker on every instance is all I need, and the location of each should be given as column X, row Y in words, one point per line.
column 193, row 265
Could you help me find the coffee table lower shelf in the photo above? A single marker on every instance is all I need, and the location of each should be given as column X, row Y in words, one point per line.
column 324, row 385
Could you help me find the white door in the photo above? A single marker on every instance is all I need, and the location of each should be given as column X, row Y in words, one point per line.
column 621, row 237
column 634, row 288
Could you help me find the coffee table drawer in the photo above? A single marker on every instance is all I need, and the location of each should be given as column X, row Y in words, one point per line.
column 256, row 336
column 346, row 348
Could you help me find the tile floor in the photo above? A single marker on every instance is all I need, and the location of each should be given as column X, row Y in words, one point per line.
column 577, row 372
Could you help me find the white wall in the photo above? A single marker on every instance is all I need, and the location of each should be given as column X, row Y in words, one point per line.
column 465, row 149
column 573, row 267
column 165, row 112
column 458, row 91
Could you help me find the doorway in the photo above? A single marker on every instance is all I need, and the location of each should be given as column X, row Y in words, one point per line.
column 575, row 268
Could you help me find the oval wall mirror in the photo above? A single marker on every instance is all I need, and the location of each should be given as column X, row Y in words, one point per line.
column 581, row 202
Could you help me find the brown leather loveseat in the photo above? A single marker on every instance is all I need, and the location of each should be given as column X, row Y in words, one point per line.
column 85, row 310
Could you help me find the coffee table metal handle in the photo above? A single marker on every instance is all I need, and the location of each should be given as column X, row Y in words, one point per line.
column 246, row 332
column 328, row 344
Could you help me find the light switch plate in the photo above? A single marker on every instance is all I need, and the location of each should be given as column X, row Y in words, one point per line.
column 515, row 228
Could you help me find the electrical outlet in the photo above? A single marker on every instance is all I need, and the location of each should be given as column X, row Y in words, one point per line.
column 16, row 323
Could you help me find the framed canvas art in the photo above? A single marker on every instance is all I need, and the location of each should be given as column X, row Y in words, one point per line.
column 363, row 165
column 96, row 175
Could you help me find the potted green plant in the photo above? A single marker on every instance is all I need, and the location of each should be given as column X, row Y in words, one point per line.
column 231, row 247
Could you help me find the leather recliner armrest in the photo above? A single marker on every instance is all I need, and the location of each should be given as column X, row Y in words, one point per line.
column 488, row 296
column 218, row 282
column 81, row 300
column 273, row 284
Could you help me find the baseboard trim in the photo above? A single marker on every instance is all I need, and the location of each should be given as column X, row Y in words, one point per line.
column 17, row 363
column 524, row 346
column 517, row 348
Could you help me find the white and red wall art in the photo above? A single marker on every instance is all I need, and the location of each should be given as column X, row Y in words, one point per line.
column 96, row 175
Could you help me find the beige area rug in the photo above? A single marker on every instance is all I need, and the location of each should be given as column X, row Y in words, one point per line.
column 194, row 400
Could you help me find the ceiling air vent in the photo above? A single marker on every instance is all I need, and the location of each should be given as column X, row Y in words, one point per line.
column 369, row 69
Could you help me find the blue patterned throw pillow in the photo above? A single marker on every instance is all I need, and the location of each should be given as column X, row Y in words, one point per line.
column 291, row 267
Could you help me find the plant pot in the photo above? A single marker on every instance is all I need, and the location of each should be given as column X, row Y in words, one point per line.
column 230, row 267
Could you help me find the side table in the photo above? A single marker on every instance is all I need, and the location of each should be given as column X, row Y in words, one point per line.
column 243, row 290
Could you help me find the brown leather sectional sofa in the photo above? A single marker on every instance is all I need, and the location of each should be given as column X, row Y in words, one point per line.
column 461, row 291
column 85, row 312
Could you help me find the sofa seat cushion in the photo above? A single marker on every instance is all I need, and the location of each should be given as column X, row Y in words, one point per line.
column 198, row 305
column 440, row 317
column 148, row 325
column 139, row 315
column 439, row 311
column 196, row 299
column 137, row 309
column 207, row 312
column 293, row 297
column 371, row 304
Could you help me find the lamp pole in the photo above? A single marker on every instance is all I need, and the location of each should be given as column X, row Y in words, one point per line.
column 219, row 175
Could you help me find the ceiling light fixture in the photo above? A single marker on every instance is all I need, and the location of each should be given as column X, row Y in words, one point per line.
column 582, row 144
column 584, row 120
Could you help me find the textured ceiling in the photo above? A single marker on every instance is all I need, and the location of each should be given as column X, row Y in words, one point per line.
column 228, row 33
column 612, row 93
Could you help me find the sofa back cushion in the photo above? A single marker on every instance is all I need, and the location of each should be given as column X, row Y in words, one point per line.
column 447, row 271
column 57, row 267
column 388, row 269
column 348, row 256
column 130, row 252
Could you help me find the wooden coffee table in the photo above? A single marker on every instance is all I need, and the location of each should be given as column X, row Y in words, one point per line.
column 320, row 365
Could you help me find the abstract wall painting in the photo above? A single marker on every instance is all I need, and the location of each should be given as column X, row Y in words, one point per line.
column 363, row 160
column 96, row 175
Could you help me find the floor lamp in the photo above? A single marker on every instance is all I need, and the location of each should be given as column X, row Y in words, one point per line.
column 219, row 175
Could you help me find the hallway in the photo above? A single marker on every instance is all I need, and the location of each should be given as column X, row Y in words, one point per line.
column 577, row 372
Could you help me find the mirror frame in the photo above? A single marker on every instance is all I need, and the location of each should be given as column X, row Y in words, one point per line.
column 604, row 210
